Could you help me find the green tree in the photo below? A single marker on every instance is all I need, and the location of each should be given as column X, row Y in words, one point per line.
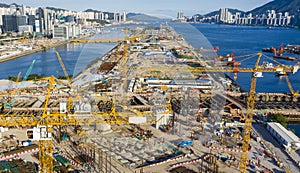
column 279, row 118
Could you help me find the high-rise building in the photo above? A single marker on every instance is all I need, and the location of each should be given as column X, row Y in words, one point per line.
column 48, row 20
column 180, row 15
column 40, row 26
column 101, row 15
column 31, row 20
column 12, row 22
column 13, row 9
column 61, row 32
column 225, row 15
column 118, row 17
column 66, row 31
column 124, row 16
column 23, row 10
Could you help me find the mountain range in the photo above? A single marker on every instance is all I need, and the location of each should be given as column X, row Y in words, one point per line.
column 233, row 11
column 140, row 17
column 291, row 6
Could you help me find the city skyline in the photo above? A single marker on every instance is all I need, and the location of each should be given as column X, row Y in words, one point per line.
column 163, row 8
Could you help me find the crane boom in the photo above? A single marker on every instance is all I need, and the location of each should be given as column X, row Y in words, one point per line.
column 251, row 97
column 291, row 87
column 18, row 77
column 29, row 70
column 62, row 66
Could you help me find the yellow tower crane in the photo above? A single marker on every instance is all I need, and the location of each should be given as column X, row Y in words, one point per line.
column 251, row 96
column 43, row 123
column 294, row 93
column 66, row 75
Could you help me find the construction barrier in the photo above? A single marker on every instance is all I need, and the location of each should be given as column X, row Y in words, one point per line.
column 9, row 156
column 170, row 160
column 226, row 149
column 190, row 162
column 72, row 161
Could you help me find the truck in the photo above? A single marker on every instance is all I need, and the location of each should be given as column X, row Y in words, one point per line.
column 183, row 144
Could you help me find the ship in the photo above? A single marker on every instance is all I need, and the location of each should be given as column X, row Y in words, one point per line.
column 286, row 57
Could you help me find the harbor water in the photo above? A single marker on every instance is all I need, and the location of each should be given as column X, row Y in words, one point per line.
column 245, row 40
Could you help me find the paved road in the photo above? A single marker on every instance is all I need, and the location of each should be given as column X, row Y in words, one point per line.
column 276, row 148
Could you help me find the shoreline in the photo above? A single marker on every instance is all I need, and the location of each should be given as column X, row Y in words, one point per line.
column 263, row 26
column 25, row 53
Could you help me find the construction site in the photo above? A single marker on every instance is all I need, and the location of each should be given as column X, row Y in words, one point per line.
column 152, row 104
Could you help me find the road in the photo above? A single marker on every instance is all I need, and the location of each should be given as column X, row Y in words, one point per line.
column 276, row 148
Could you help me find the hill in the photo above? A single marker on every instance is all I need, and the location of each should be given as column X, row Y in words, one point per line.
column 232, row 11
column 4, row 5
column 140, row 17
column 291, row 6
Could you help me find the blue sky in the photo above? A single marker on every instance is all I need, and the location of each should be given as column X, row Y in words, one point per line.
column 154, row 7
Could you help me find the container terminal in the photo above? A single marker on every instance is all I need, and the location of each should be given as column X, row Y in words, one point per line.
column 152, row 104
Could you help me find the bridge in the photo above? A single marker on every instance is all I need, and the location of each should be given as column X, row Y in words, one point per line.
column 104, row 40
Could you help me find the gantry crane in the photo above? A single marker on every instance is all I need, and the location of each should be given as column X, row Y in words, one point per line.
column 251, row 96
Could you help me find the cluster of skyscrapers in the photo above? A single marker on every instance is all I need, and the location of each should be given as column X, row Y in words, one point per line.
column 226, row 16
column 57, row 23
column 270, row 18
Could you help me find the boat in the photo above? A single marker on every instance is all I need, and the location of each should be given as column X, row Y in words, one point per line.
column 267, row 50
column 286, row 57
column 258, row 74
column 280, row 73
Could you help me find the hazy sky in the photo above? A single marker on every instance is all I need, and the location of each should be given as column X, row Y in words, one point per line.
column 154, row 7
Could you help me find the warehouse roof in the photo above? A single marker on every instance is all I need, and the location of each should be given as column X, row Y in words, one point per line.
column 287, row 135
